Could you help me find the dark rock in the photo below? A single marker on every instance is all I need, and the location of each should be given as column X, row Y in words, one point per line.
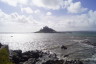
column 1, row 45
column 63, row 47
column 46, row 30
column 33, row 54
column 73, row 62
column 37, row 54
column 86, row 41
column 16, row 56
column 39, row 57
column 21, row 62
column 24, row 58
column 16, row 53
column 19, row 52
column 46, row 57
column 54, row 62
column 66, row 55
column 30, row 61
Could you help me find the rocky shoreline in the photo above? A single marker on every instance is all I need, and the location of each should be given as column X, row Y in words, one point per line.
column 37, row 57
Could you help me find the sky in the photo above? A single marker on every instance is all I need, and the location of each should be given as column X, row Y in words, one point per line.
column 61, row 15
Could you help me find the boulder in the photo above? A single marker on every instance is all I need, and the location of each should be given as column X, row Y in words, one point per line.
column 66, row 55
column 16, row 56
column 63, row 47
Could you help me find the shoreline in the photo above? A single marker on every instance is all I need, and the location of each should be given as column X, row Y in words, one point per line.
column 39, row 57
column 35, row 57
column 44, row 57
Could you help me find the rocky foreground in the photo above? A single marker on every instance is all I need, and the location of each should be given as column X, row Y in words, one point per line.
column 38, row 57
column 34, row 57
column 31, row 57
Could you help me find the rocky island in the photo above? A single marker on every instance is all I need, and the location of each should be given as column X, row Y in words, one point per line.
column 46, row 29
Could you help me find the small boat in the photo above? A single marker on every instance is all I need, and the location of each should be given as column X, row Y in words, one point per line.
column 11, row 36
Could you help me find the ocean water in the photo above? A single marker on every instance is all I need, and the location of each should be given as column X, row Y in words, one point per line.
column 76, row 48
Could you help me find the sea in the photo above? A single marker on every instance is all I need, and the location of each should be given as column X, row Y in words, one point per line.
column 80, row 45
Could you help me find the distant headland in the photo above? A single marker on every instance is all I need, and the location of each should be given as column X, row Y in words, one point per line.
column 46, row 29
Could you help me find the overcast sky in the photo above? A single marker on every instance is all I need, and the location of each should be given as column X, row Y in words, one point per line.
column 61, row 15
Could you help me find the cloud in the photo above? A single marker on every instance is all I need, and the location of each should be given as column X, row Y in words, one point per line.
column 37, row 11
column 48, row 4
column 22, row 23
column 27, row 10
column 15, row 2
column 83, row 22
column 76, row 8
column 15, row 22
column 48, row 13
column 72, row 7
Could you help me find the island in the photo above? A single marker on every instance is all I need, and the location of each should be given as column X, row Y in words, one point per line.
column 46, row 29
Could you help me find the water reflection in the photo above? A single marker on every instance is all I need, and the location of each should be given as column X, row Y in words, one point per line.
column 50, row 42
